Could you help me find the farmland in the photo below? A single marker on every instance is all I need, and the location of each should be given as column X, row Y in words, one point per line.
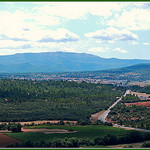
column 139, row 104
column 27, row 101
column 88, row 135
column 88, row 131
column 5, row 140
column 132, row 111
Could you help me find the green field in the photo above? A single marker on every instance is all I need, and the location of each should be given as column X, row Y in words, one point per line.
column 89, row 131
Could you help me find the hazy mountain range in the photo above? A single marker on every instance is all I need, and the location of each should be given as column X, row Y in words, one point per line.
column 61, row 62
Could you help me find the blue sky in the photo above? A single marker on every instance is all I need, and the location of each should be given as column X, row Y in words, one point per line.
column 107, row 29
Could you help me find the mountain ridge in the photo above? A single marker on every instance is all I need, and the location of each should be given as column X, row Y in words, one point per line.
column 61, row 62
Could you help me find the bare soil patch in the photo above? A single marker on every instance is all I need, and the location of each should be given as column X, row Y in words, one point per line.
column 4, row 131
column 109, row 120
column 43, row 121
column 142, row 96
column 139, row 104
column 48, row 131
column 142, row 84
column 94, row 117
column 6, row 140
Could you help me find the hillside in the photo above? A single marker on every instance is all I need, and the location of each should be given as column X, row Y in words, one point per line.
column 139, row 68
column 61, row 62
column 22, row 100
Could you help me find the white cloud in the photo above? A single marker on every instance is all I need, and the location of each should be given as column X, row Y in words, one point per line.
column 60, row 35
column 135, row 19
column 134, row 43
column 97, row 49
column 112, row 34
column 27, row 33
column 120, row 50
column 9, row 44
column 46, row 19
column 78, row 10
column 146, row 43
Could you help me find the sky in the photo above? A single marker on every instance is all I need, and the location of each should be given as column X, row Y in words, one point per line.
column 106, row 29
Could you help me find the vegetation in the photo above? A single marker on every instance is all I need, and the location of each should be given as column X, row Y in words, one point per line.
column 84, row 131
column 22, row 100
column 139, row 72
column 134, row 116
column 86, row 136
column 146, row 145
column 108, row 139
column 145, row 89
column 129, row 98
column 11, row 127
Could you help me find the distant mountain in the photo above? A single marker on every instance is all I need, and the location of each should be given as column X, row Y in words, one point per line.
column 61, row 62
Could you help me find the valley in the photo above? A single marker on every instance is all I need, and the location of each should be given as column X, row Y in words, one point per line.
column 74, row 74
column 53, row 105
column 75, row 102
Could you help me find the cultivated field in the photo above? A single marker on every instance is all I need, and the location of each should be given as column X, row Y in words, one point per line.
column 88, row 131
column 139, row 104
column 5, row 140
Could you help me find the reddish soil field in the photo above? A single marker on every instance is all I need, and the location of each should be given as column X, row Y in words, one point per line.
column 43, row 121
column 139, row 104
column 109, row 120
column 48, row 131
column 6, row 140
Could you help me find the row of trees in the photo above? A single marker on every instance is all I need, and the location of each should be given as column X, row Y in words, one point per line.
column 145, row 89
column 11, row 127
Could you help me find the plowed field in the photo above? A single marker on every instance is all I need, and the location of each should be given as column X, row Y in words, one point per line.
column 139, row 104
column 6, row 140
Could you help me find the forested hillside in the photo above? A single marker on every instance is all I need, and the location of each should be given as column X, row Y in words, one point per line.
column 22, row 100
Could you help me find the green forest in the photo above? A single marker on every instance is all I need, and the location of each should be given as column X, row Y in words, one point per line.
column 145, row 89
column 23, row 100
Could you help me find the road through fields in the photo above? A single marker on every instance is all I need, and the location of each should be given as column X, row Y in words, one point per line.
column 105, row 114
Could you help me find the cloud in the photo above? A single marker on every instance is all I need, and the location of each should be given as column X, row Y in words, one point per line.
column 134, row 43
column 46, row 19
column 39, row 34
column 112, row 34
column 9, row 44
column 146, row 43
column 97, row 49
column 120, row 50
column 146, row 5
column 78, row 10
column 134, row 19
column 60, row 35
